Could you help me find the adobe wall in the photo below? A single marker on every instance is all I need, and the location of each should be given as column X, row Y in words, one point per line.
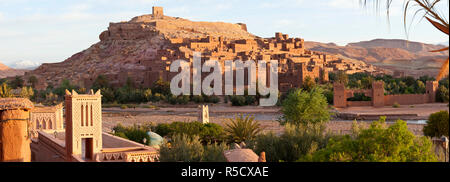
column 48, row 149
column 14, row 138
column 405, row 99
column 358, row 103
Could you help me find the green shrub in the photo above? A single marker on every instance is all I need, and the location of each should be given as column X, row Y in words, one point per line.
column 197, row 99
column 182, row 148
column 238, row 100
column 185, row 148
column 214, row 152
column 442, row 94
column 395, row 105
column 378, row 143
column 437, row 124
column 295, row 143
column 173, row 99
column 242, row 129
column 163, row 129
column 135, row 133
column 183, row 99
column 123, row 106
column 209, row 133
column 214, row 99
column 212, row 133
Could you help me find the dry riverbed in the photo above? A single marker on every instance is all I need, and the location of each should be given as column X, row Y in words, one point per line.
column 266, row 116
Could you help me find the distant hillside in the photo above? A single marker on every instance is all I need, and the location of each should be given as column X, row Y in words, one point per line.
column 6, row 71
column 413, row 58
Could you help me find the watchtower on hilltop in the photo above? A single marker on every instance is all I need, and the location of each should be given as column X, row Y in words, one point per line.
column 157, row 12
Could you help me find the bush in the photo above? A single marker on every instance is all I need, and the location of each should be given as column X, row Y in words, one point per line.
column 182, row 148
column 173, row 99
column 238, row 100
column 163, row 129
column 396, row 105
column 214, row 99
column 212, row 133
column 437, row 125
column 197, row 99
column 123, row 106
column 183, row 99
column 297, row 142
column 442, row 94
column 378, row 143
column 208, row 133
column 214, row 153
column 185, row 148
column 135, row 133
column 242, row 129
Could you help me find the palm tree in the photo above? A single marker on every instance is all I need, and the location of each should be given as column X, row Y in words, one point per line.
column 427, row 9
column 242, row 129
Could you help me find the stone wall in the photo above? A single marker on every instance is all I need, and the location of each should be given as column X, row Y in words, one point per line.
column 379, row 99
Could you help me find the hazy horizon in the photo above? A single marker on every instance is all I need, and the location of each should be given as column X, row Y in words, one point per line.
column 52, row 31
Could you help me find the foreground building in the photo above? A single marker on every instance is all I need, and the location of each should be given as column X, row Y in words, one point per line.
column 82, row 140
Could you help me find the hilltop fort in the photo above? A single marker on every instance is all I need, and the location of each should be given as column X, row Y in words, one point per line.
column 143, row 48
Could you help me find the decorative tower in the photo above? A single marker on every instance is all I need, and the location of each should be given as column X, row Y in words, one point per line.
column 15, row 130
column 83, row 124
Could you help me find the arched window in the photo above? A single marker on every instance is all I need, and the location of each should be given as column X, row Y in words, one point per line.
column 92, row 118
column 87, row 115
column 82, row 116
column 50, row 124
column 44, row 124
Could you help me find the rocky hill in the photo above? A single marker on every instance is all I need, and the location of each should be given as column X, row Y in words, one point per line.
column 126, row 44
column 6, row 71
column 412, row 58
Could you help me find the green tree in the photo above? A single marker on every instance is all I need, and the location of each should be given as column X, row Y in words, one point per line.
column 32, row 80
column 162, row 87
column 148, row 94
column 442, row 94
column 341, row 77
column 437, row 124
column 242, row 129
column 308, row 84
column 302, row 107
column 5, row 91
column 101, row 82
column 378, row 143
column 26, row 92
column 420, row 87
column 17, row 82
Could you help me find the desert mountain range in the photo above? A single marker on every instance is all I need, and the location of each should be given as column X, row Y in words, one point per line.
column 6, row 71
column 412, row 58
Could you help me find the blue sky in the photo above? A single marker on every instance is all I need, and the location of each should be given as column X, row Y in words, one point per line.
column 38, row 31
